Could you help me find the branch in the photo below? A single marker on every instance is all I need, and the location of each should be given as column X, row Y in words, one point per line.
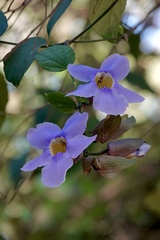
column 129, row 32
column 43, row 21
column 10, row 43
column 92, row 24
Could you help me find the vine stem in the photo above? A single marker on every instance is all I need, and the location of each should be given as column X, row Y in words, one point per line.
column 92, row 24
column 43, row 21
column 128, row 33
column 10, row 43
column 142, row 21
column 80, row 34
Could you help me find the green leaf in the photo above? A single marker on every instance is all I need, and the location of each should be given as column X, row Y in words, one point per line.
column 64, row 104
column 59, row 10
column 3, row 238
column 56, row 58
column 3, row 98
column 47, row 114
column 3, row 23
column 134, row 43
column 108, row 26
column 15, row 168
column 137, row 78
column 17, row 62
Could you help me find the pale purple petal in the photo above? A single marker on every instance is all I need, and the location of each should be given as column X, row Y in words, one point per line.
column 141, row 151
column 75, row 125
column 84, row 90
column 53, row 175
column 82, row 72
column 40, row 161
column 131, row 96
column 76, row 145
column 117, row 66
column 109, row 102
column 41, row 136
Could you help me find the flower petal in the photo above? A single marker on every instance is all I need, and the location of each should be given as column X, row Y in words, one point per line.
column 109, row 102
column 141, row 151
column 117, row 66
column 75, row 125
column 40, row 161
column 76, row 145
column 53, row 175
column 131, row 96
column 41, row 136
column 82, row 72
column 84, row 90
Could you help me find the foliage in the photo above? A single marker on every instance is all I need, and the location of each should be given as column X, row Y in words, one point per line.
column 61, row 102
column 56, row 58
column 17, row 62
column 3, row 98
column 108, row 26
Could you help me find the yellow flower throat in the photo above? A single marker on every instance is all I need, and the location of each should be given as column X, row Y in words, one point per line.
column 104, row 80
column 57, row 145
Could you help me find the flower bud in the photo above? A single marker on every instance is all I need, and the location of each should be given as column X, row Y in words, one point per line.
column 107, row 128
column 87, row 164
column 111, row 165
column 126, row 124
column 124, row 147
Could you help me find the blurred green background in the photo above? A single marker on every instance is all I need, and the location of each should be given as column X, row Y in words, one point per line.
column 126, row 207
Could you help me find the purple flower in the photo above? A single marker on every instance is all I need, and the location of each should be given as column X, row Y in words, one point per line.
column 103, row 84
column 59, row 147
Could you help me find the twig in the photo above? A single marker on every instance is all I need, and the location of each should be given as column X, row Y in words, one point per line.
column 92, row 24
column 98, row 40
column 48, row 16
column 129, row 32
column 10, row 5
column 10, row 43
column 45, row 8
column 3, row 6
column 27, row 118
column 24, row 3
column 16, row 17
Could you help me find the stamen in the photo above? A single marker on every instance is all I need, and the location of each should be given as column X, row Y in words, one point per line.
column 57, row 145
column 104, row 80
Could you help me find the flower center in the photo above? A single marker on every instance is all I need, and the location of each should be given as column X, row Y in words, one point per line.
column 57, row 145
column 104, row 80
